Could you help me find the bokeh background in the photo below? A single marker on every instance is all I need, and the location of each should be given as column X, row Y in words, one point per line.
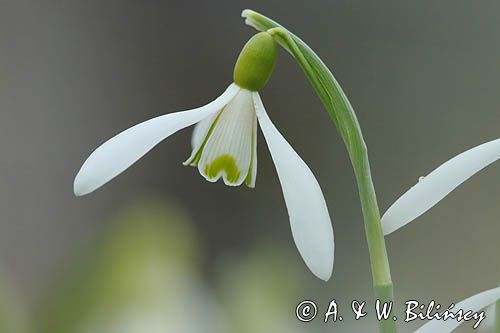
column 161, row 250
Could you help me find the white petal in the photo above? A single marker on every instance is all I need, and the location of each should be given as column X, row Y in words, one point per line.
column 489, row 323
column 199, row 136
column 200, row 130
column 311, row 225
column 474, row 303
column 227, row 152
column 118, row 153
column 438, row 184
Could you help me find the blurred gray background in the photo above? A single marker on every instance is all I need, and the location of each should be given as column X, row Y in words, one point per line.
column 423, row 77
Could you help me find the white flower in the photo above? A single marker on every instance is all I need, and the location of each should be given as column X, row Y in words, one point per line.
column 474, row 304
column 225, row 146
column 438, row 184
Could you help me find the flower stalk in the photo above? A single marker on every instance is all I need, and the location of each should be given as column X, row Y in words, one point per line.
column 345, row 120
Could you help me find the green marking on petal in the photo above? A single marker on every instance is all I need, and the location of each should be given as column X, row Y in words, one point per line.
column 197, row 157
column 224, row 163
column 248, row 180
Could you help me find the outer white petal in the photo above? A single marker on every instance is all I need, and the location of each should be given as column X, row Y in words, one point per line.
column 118, row 153
column 227, row 152
column 311, row 225
column 488, row 325
column 438, row 184
column 474, row 303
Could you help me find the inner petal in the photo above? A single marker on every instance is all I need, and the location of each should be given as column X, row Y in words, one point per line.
column 228, row 150
column 200, row 133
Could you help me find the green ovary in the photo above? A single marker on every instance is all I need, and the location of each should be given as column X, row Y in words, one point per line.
column 255, row 62
column 224, row 163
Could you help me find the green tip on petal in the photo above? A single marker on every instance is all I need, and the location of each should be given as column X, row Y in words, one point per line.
column 224, row 163
column 256, row 62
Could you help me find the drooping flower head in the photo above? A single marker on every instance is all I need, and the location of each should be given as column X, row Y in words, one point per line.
column 224, row 146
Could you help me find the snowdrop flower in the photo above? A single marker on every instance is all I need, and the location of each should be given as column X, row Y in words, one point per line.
column 490, row 321
column 225, row 146
column 474, row 303
column 438, row 184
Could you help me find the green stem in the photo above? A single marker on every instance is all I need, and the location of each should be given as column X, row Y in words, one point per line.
column 344, row 118
column 381, row 273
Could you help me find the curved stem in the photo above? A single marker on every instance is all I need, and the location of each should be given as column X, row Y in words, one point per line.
column 381, row 274
column 344, row 118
